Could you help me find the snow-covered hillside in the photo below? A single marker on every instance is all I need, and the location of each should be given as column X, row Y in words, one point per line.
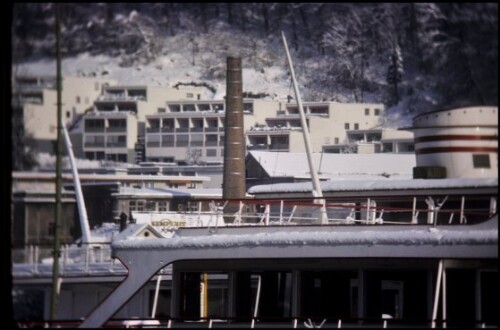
column 446, row 55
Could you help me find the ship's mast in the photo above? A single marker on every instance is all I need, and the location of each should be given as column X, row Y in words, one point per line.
column 82, row 210
column 317, row 192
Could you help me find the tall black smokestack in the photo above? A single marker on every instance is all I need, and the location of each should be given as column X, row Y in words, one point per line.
column 233, row 185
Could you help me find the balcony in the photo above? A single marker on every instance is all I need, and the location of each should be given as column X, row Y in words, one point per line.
column 279, row 146
column 260, row 146
column 153, row 130
column 167, row 129
column 115, row 129
column 153, row 144
column 94, row 129
column 122, row 144
column 94, row 144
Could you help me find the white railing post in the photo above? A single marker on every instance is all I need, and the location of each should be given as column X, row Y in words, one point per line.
column 267, row 214
column 493, row 206
column 368, row 220
column 281, row 212
column 462, row 207
column 414, row 214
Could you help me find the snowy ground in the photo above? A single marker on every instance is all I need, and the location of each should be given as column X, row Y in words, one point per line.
column 166, row 71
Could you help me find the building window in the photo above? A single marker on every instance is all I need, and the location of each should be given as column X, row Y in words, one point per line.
column 367, row 111
column 346, row 125
column 481, row 161
column 356, row 126
column 122, row 158
column 162, row 206
column 211, row 152
column 387, row 147
column 68, row 114
column 78, row 99
column 161, row 110
column 336, row 140
column 189, row 95
column 377, row 112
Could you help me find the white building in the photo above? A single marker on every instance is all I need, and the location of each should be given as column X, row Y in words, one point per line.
column 114, row 130
column 194, row 131
column 37, row 97
column 374, row 140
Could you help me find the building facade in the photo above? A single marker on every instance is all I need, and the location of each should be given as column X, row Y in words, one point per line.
column 194, row 131
column 114, row 130
column 36, row 98
column 374, row 140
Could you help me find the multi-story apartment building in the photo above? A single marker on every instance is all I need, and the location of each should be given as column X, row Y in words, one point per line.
column 328, row 122
column 36, row 98
column 114, row 130
column 374, row 140
column 194, row 131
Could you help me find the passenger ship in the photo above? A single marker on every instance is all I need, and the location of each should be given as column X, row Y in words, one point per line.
column 413, row 253
column 383, row 253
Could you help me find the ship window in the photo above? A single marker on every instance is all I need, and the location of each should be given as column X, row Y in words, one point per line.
column 481, row 161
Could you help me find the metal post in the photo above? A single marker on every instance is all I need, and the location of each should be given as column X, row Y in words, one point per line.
column 462, row 206
column 267, row 214
column 361, row 293
column 257, row 301
column 493, row 206
column 444, row 298
column 157, row 291
column 368, row 220
column 317, row 192
column 414, row 215
column 478, row 295
column 82, row 210
column 436, row 293
column 281, row 212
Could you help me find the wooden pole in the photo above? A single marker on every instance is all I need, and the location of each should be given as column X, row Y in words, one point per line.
column 56, row 250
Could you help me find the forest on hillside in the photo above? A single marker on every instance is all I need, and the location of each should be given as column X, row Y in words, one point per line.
column 413, row 57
